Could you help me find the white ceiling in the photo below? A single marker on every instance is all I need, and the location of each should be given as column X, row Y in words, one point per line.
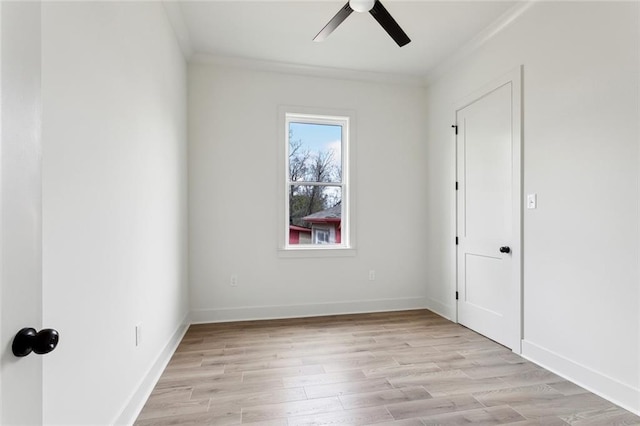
column 282, row 31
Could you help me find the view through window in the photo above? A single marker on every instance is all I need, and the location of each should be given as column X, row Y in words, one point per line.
column 316, row 202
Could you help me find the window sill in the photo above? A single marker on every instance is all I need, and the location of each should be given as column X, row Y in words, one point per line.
column 311, row 252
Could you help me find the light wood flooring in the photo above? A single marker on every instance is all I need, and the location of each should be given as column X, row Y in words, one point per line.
column 397, row 368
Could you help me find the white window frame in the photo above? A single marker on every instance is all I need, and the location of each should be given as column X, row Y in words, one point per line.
column 346, row 119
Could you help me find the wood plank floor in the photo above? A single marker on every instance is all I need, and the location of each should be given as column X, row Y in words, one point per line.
column 397, row 368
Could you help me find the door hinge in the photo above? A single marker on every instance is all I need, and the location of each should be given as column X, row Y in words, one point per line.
column 456, row 240
column 455, row 126
column 456, row 295
column 456, row 186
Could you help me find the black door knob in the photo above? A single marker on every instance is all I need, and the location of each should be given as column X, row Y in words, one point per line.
column 505, row 249
column 28, row 340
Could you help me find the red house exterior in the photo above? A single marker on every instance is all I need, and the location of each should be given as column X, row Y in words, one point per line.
column 299, row 235
column 325, row 228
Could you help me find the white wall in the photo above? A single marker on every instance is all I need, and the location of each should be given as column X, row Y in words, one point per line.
column 233, row 197
column 114, row 204
column 581, row 135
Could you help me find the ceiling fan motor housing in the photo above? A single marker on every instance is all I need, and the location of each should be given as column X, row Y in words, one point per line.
column 361, row 5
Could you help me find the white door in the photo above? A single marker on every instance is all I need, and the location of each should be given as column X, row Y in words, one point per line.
column 488, row 212
column 20, row 209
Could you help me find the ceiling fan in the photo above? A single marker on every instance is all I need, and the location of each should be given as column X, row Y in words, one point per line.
column 376, row 9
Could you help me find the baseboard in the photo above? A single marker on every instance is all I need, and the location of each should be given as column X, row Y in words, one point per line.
column 440, row 308
column 141, row 394
column 307, row 310
column 619, row 393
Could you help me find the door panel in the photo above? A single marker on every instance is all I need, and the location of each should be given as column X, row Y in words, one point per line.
column 486, row 135
column 20, row 206
column 488, row 194
column 483, row 280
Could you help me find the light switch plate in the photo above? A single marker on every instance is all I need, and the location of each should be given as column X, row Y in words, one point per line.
column 532, row 201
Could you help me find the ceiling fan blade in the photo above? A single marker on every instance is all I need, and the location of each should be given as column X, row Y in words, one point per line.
column 334, row 22
column 389, row 24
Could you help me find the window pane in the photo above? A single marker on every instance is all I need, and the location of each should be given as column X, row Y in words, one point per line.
column 315, row 214
column 315, row 152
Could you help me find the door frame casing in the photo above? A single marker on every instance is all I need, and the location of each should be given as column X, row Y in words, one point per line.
column 515, row 309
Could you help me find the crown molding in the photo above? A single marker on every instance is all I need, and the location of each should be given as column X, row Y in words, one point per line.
column 307, row 70
column 500, row 24
column 176, row 19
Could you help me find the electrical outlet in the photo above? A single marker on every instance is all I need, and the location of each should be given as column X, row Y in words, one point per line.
column 372, row 275
column 138, row 334
column 233, row 282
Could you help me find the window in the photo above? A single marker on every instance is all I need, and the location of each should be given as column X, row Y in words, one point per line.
column 317, row 206
column 321, row 236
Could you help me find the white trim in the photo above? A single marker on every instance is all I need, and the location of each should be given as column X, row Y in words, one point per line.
column 1, row 199
column 173, row 11
column 622, row 394
column 308, row 70
column 493, row 29
column 638, row 259
column 317, row 251
column 513, row 77
column 440, row 308
column 139, row 397
column 251, row 313
column 347, row 119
